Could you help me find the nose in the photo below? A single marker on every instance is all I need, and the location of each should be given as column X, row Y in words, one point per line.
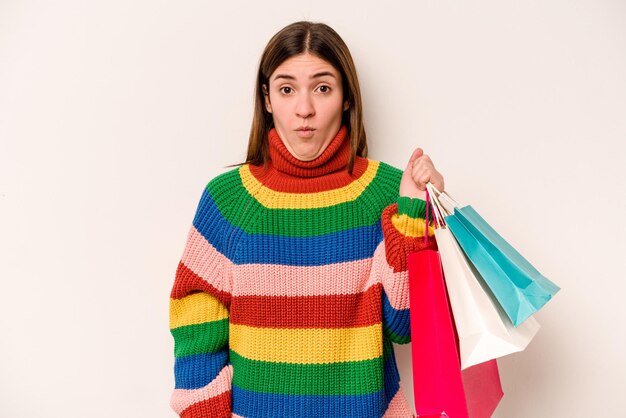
column 304, row 107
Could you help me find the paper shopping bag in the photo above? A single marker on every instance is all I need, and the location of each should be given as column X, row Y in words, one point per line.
column 484, row 330
column 519, row 288
column 437, row 384
column 483, row 390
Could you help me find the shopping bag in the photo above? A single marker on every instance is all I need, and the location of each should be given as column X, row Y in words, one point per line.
column 483, row 389
column 519, row 288
column 484, row 330
column 481, row 383
column 437, row 384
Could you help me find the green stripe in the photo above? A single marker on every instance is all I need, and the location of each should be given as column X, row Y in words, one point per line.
column 387, row 348
column 240, row 209
column 208, row 337
column 343, row 378
column 412, row 207
column 395, row 337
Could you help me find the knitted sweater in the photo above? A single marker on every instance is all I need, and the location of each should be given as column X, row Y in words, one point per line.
column 292, row 287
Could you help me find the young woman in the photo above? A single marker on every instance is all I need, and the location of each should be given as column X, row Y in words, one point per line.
column 293, row 282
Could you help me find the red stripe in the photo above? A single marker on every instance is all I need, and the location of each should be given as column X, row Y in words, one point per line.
column 218, row 407
column 187, row 282
column 397, row 245
column 322, row 311
column 281, row 182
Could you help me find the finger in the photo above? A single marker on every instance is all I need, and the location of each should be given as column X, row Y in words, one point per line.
column 421, row 177
column 422, row 168
column 424, row 171
column 418, row 152
column 424, row 179
column 424, row 161
column 427, row 175
column 439, row 182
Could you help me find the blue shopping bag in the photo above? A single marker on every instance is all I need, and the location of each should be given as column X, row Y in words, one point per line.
column 520, row 289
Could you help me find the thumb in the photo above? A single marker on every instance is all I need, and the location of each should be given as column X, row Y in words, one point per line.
column 416, row 154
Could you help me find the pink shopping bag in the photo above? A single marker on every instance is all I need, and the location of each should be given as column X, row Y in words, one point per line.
column 441, row 389
column 483, row 390
column 437, row 383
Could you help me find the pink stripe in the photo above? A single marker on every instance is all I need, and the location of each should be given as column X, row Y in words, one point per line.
column 204, row 260
column 183, row 398
column 395, row 284
column 237, row 416
column 282, row 280
column 331, row 279
column 399, row 407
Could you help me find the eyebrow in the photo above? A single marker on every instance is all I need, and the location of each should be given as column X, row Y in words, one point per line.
column 317, row 75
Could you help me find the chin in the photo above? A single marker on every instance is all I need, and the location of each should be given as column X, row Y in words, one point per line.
column 308, row 154
column 304, row 157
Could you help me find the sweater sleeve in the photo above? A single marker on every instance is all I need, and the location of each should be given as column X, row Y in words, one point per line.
column 199, row 318
column 403, row 227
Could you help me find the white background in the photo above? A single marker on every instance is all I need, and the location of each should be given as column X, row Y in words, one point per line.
column 115, row 114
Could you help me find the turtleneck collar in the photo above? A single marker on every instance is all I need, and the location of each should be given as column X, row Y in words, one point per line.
column 285, row 173
column 334, row 158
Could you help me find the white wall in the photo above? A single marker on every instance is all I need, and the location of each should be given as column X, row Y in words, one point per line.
column 114, row 114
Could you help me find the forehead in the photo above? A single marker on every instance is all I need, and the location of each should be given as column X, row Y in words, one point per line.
column 303, row 66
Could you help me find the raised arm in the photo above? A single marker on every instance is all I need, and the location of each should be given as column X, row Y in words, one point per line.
column 404, row 228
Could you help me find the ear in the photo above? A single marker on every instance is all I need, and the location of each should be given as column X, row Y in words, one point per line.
column 268, row 105
column 346, row 105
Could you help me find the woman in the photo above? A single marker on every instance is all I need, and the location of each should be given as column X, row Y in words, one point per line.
column 293, row 282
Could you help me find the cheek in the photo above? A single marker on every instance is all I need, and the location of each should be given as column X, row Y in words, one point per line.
column 279, row 110
column 331, row 107
column 279, row 104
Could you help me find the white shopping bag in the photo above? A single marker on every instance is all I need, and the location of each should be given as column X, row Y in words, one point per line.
column 485, row 332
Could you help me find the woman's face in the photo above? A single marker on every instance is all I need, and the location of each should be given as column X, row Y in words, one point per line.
column 305, row 91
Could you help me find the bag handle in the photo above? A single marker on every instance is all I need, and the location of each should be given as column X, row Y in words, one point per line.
column 445, row 196
column 426, row 218
column 439, row 211
column 433, row 199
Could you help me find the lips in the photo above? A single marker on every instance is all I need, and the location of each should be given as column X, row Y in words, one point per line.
column 305, row 128
column 305, row 132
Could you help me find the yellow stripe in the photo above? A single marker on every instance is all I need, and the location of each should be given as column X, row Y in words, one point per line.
column 282, row 200
column 197, row 308
column 411, row 227
column 307, row 345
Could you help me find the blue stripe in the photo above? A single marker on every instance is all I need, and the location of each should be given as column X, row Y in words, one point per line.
column 198, row 370
column 397, row 320
column 337, row 247
column 254, row 405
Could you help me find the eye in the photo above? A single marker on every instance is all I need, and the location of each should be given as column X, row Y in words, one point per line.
column 286, row 87
column 325, row 87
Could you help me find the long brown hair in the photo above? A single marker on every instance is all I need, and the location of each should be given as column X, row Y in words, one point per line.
column 322, row 41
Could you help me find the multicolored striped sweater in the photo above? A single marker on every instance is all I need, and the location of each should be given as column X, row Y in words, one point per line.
column 292, row 287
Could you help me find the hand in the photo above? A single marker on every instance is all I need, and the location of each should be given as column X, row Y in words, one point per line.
column 419, row 171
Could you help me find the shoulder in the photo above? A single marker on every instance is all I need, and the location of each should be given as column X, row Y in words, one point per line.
column 388, row 169
column 387, row 176
column 224, row 182
column 220, row 191
column 381, row 186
